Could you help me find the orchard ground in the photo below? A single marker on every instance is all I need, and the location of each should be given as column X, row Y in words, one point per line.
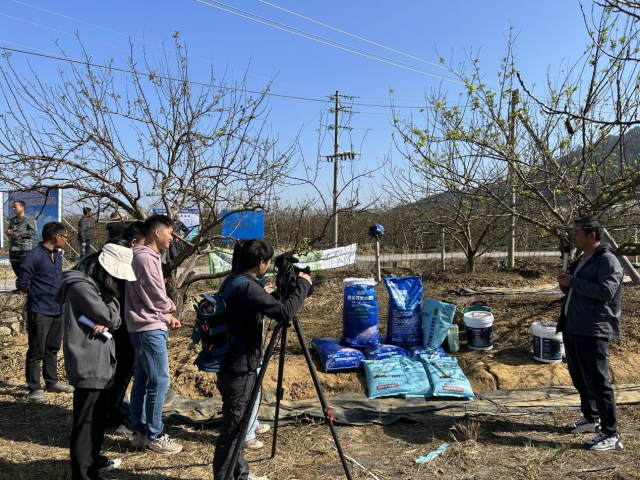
column 34, row 438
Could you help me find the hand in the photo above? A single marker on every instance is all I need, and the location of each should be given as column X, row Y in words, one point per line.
column 306, row 276
column 98, row 329
column 564, row 279
column 270, row 287
column 84, row 245
column 175, row 323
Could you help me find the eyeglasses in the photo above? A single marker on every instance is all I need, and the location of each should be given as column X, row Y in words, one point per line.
column 65, row 236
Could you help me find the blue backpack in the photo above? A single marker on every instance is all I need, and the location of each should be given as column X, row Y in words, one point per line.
column 211, row 328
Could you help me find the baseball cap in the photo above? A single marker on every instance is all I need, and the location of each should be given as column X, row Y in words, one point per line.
column 116, row 260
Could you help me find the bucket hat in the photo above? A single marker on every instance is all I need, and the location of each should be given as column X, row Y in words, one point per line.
column 117, row 261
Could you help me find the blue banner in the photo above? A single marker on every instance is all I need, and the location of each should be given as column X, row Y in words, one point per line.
column 243, row 225
column 34, row 200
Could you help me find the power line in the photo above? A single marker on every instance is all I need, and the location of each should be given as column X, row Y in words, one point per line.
column 357, row 37
column 323, row 40
column 116, row 32
column 193, row 82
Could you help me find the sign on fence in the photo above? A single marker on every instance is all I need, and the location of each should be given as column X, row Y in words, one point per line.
column 220, row 260
column 38, row 205
column 243, row 225
column 189, row 216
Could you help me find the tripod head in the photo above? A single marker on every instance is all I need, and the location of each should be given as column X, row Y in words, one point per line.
column 287, row 274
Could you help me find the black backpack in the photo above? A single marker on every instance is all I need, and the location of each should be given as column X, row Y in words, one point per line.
column 211, row 328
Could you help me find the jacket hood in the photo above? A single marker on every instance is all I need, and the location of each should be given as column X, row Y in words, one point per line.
column 145, row 251
column 71, row 277
column 603, row 248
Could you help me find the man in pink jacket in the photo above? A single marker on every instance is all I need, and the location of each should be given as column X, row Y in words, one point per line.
column 149, row 313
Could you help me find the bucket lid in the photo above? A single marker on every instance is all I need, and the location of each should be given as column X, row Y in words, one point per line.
column 477, row 315
column 546, row 325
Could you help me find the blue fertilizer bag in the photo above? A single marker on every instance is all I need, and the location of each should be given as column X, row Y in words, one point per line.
column 447, row 378
column 418, row 350
column 396, row 375
column 360, row 313
column 335, row 357
column 404, row 325
column 384, row 351
column 437, row 317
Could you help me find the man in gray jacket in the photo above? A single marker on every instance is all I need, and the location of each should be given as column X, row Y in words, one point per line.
column 590, row 316
column 22, row 229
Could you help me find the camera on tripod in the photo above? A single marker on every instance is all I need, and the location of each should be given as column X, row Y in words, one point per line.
column 287, row 273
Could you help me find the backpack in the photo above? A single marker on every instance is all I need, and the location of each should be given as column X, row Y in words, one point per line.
column 211, row 328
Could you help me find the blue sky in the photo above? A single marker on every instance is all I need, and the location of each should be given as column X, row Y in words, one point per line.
column 549, row 32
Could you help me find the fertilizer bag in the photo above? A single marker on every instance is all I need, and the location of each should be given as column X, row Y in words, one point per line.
column 396, row 375
column 384, row 351
column 360, row 313
column 447, row 378
column 419, row 350
column 404, row 325
column 436, row 319
column 335, row 357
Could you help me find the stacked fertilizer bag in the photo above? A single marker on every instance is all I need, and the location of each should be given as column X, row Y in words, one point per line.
column 412, row 362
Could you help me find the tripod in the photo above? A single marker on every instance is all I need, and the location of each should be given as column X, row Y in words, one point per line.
column 281, row 329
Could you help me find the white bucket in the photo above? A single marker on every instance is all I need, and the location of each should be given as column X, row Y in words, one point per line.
column 547, row 344
column 479, row 330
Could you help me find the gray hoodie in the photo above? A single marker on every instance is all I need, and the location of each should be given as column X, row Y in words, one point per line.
column 89, row 359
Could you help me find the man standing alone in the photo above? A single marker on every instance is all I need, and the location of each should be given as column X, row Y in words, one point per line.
column 84, row 232
column 149, row 312
column 39, row 277
column 22, row 229
column 590, row 316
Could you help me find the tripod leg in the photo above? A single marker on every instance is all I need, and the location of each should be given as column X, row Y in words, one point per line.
column 244, row 424
column 325, row 408
column 279, row 390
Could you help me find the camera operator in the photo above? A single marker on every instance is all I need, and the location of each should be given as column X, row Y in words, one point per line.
column 245, row 308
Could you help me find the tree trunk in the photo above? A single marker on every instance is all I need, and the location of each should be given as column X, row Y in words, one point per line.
column 471, row 262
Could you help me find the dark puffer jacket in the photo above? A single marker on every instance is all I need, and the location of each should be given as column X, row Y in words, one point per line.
column 594, row 309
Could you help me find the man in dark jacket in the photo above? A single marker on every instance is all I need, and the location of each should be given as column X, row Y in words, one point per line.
column 39, row 278
column 84, row 232
column 22, row 229
column 590, row 316
column 245, row 307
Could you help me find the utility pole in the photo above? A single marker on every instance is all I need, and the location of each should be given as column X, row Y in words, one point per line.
column 335, row 158
column 511, row 261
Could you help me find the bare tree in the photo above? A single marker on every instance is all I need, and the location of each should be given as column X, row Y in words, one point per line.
column 151, row 138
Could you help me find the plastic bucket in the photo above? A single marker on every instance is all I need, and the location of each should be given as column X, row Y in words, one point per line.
column 479, row 327
column 547, row 344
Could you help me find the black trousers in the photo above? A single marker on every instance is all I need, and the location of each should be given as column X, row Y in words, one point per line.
column 15, row 259
column 125, row 356
column 87, row 433
column 588, row 364
column 235, row 389
column 45, row 338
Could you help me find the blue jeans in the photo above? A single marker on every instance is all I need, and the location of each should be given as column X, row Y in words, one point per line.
column 151, row 382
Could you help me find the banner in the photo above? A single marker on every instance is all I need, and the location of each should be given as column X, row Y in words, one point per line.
column 189, row 216
column 34, row 200
column 243, row 225
column 220, row 260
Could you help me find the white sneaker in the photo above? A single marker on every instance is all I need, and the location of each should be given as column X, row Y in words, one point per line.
column 584, row 426
column 164, row 445
column 253, row 477
column 602, row 442
column 140, row 440
column 254, row 444
column 262, row 428
column 109, row 465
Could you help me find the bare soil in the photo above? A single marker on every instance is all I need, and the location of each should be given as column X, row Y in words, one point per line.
column 34, row 438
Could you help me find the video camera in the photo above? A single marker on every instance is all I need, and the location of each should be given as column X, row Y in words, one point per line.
column 287, row 274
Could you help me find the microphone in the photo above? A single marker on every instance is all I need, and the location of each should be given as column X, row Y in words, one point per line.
column 565, row 258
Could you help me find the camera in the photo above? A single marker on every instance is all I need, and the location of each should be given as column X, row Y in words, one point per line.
column 287, row 274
